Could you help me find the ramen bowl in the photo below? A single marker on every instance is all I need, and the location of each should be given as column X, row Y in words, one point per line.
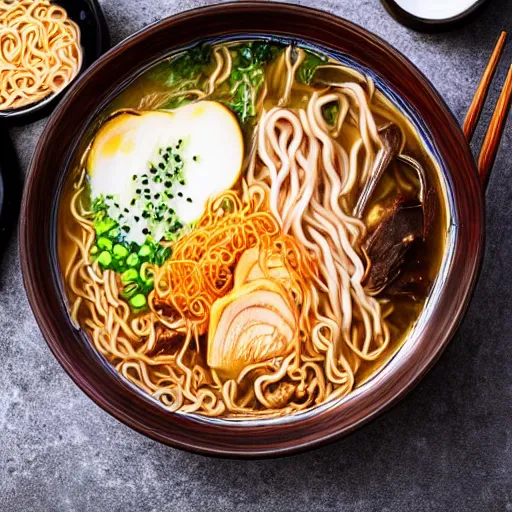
column 448, row 300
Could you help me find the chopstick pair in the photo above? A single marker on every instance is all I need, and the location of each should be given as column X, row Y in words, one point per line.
column 497, row 125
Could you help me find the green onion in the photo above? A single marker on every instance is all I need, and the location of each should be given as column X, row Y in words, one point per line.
column 94, row 250
column 132, row 260
column 146, row 274
column 161, row 255
column 105, row 259
column 148, row 287
column 144, row 251
column 129, row 276
column 114, row 233
column 129, row 290
column 138, row 301
column 104, row 243
column 120, row 251
column 104, row 225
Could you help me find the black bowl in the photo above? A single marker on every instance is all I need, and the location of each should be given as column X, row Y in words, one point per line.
column 95, row 40
column 10, row 191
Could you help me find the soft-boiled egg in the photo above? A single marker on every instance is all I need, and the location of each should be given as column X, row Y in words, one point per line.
column 157, row 169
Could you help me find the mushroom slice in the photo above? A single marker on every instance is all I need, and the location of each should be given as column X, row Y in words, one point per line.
column 387, row 246
column 254, row 323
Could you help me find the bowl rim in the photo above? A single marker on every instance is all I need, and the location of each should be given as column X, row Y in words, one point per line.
column 186, row 432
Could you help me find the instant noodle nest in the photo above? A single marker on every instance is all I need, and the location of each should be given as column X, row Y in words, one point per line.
column 40, row 51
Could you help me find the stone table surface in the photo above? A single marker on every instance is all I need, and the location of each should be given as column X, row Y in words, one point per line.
column 447, row 446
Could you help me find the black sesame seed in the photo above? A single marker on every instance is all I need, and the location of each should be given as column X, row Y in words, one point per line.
column 189, row 199
column 147, row 189
column 161, row 165
column 145, row 215
column 171, row 196
column 132, row 202
column 168, row 184
column 134, row 177
column 177, row 158
column 180, row 194
column 126, row 229
column 136, row 218
column 145, row 231
column 182, row 182
column 126, row 210
column 138, row 191
column 195, row 158
column 157, row 196
column 147, row 196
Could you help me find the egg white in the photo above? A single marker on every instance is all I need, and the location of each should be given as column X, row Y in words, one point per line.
column 127, row 144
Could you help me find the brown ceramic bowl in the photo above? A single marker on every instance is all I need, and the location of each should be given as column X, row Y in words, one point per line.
column 438, row 322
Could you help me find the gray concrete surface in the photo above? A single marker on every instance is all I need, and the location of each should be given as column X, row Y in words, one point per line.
column 447, row 446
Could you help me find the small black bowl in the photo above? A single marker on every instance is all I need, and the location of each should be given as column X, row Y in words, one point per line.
column 10, row 192
column 95, row 40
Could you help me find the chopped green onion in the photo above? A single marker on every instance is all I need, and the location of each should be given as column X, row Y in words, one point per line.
column 104, row 243
column 114, row 233
column 145, row 275
column 105, row 259
column 120, row 251
column 132, row 260
column 144, row 251
column 138, row 301
column 103, row 225
column 148, row 287
column 129, row 276
column 129, row 290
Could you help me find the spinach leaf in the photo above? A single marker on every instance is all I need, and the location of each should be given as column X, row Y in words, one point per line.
column 247, row 76
column 307, row 68
column 189, row 65
column 330, row 113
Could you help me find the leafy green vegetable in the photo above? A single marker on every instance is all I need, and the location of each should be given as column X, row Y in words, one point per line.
column 247, row 76
column 183, row 73
column 186, row 66
column 308, row 67
column 330, row 113
column 191, row 70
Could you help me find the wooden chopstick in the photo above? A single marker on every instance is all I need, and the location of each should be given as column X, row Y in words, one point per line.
column 477, row 104
column 495, row 131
